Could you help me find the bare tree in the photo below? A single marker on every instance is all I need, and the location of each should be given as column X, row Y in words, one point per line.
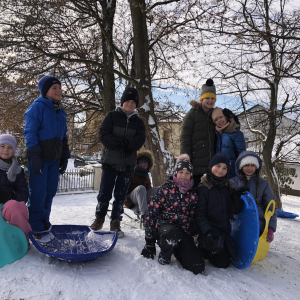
column 253, row 48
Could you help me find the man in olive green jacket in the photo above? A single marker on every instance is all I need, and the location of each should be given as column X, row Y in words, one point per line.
column 197, row 137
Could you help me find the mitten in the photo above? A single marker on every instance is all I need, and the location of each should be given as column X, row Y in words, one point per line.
column 210, row 240
column 238, row 193
column 63, row 166
column 149, row 250
column 270, row 236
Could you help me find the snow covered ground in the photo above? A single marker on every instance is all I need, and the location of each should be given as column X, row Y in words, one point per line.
column 125, row 274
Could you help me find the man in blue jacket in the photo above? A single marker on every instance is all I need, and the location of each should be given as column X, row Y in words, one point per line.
column 47, row 150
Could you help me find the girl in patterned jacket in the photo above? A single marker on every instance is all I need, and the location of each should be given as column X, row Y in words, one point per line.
column 169, row 220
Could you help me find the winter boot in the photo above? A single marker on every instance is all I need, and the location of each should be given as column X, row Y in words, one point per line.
column 162, row 260
column 115, row 226
column 97, row 224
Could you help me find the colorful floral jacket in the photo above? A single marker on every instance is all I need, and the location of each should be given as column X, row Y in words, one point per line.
column 170, row 206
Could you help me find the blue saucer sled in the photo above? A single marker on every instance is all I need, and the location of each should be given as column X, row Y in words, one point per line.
column 245, row 232
column 73, row 243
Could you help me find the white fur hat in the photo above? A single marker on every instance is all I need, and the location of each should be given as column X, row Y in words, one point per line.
column 249, row 160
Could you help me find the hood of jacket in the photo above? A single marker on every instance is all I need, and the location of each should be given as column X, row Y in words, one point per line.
column 148, row 154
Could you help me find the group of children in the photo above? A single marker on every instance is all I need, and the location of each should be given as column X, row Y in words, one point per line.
column 178, row 211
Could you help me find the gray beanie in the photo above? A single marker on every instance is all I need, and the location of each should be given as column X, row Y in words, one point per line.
column 8, row 139
column 208, row 90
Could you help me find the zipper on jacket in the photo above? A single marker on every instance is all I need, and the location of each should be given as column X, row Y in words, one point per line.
column 125, row 138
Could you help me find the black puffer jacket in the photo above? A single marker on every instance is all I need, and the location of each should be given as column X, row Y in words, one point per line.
column 214, row 208
column 118, row 126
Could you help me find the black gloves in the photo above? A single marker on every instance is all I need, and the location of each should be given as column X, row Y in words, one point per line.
column 63, row 166
column 121, row 146
column 149, row 250
column 210, row 240
column 33, row 153
column 238, row 193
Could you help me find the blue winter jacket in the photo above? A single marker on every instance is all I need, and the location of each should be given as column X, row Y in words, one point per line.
column 265, row 194
column 47, row 128
column 231, row 142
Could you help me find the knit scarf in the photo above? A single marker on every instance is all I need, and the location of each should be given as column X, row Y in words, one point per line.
column 11, row 169
column 141, row 172
column 183, row 185
column 216, row 181
column 57, row 106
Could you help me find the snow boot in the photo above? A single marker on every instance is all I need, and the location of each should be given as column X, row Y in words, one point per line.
column 115, row 226
column 97, row 224
column 162, row 260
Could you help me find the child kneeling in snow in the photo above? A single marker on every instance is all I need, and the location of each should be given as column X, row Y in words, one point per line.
column 13, row 186
column 169, row 220
column 216, row 206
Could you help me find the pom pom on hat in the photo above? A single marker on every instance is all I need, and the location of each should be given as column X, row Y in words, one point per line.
column 8, row 139
column 183, row 163
column 130, row 94
column 218, row 158
column 45, row 84
column 208, row 90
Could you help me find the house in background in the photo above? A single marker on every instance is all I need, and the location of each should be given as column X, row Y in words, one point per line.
column 287, row 126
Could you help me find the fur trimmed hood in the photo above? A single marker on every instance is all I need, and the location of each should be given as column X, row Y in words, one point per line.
column 148, row 154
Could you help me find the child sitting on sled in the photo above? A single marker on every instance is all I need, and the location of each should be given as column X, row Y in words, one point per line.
column 169, row 220
column 13, row 186
column 248, row 168
column 216, row 206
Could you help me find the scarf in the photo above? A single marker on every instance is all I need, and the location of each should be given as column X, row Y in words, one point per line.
column 11, row 170
column 57, row 106
column 183, row 185
column 141, row 172
column 216, row 181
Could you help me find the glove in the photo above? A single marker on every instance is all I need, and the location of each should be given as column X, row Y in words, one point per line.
column 149, row 250
column 63, row 166
column 238, row 193
column 37, row 165
column 210, row 240
column 270, row 236
column 33, row 153
column 119, row 146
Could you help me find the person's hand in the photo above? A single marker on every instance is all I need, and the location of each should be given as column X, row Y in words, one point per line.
column 63, row 166
column 270, row 236
column 149, row 251
column 119, row 146
column 210, row 240
column 36, row 165
column 241, row 191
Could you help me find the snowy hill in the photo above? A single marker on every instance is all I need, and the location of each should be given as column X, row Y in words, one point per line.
column 125, row 274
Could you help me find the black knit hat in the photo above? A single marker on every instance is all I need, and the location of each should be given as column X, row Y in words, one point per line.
column 45, row 84
column 130, row 94
column 219, row 158
column 208, row 90
column 183, row 163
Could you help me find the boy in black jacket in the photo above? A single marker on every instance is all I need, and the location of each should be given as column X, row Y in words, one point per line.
column 122, row 133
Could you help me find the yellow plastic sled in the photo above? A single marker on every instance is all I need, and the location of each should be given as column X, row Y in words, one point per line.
column 263, row 246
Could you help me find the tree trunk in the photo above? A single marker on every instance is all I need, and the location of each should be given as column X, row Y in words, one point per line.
column 163, row 160
column 108, row 91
